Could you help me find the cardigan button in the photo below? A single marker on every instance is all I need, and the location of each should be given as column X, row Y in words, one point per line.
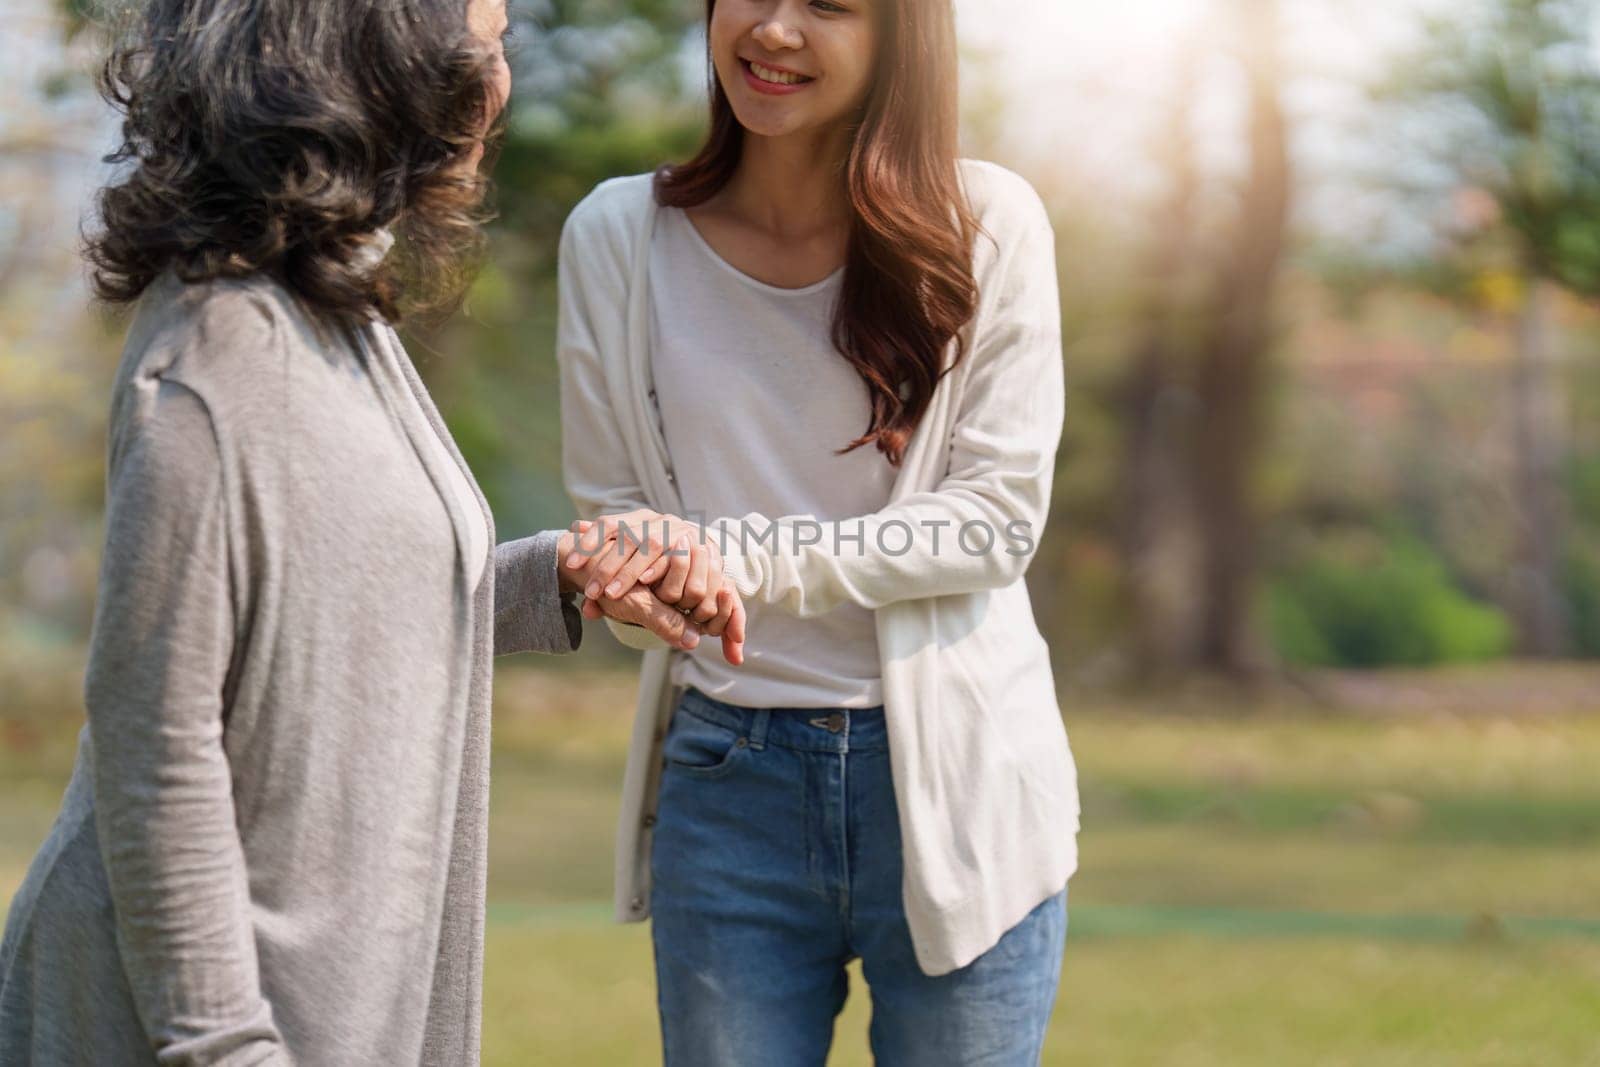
column 649, row 821
column 636, row 904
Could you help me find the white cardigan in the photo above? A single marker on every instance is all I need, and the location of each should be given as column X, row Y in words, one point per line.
column 983, row 775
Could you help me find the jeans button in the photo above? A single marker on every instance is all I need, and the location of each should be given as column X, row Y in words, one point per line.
column 835, row 722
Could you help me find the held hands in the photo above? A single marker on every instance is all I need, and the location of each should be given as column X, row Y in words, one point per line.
column 638, row 607
column 644, row 562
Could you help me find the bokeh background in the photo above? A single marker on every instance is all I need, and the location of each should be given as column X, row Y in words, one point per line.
column 1322, row 580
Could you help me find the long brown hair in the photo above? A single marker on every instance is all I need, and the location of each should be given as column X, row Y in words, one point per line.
column 908, row 285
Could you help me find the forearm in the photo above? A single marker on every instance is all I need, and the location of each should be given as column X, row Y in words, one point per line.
column 533, row 606
column 163, row 790
column 181, row 894
column 809, row 568
column 961, row 538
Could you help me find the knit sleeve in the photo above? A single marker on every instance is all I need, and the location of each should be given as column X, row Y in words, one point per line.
column 162, row 642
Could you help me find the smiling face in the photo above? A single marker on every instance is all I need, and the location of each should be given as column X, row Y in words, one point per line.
column 794, row 66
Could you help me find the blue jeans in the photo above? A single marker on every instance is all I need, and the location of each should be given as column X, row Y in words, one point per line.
column 776, row 862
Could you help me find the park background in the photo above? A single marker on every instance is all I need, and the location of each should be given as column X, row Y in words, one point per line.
column 1322, row 579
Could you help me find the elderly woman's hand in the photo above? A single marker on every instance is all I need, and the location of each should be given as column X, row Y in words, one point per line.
column 671, row 556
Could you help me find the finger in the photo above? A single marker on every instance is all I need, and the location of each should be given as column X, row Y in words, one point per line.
column 653, row 573
column 591, row 609
column 588, row 539
column 667, row 623
column 658, row 570
column 710, row 604
column 714, row 626
column 670, row 588
column 643, row 558
column 620, row 549
column 733, row 636
column 694, row 590
column 638, row 541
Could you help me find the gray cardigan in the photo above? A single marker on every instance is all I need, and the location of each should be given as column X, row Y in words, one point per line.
column 273, row 846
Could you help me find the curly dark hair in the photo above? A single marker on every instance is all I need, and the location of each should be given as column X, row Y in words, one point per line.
column 277, row 136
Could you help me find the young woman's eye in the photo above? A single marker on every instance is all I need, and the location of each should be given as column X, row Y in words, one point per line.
column 828, row 8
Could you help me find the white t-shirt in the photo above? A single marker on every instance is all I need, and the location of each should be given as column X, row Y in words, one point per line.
column 754, row 402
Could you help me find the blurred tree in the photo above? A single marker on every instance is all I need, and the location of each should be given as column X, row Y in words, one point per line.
column 1235, row 356
column 1157, row 531
column 602, row 89
column 1193, row 401
column 53, row 357
column 1507, row 99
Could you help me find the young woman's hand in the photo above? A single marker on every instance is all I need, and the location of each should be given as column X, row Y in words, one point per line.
column 647, row 547
column 673, row 558
column 682, row 577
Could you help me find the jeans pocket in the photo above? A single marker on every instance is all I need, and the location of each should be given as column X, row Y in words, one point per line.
column 700, row 748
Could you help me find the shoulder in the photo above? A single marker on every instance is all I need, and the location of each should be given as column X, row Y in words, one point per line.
column 229, row 342
column 216, row 329
column 1003, row 201
column 611, row 213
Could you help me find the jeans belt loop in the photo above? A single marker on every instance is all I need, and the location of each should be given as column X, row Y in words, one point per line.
column 758, row 728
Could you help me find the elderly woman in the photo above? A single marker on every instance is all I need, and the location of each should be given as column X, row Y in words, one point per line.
column 272, row 849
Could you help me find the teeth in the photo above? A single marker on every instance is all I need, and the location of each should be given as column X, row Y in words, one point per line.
column 767, row 74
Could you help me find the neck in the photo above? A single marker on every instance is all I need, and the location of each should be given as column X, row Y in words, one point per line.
column 792, row 185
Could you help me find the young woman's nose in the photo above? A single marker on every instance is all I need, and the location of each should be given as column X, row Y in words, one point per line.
column 777, row 35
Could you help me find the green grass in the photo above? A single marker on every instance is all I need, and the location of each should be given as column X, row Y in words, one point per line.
column 1276, row 889
column 581, row 993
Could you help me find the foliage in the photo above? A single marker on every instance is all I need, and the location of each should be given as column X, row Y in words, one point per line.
column 1583, row 600
column 600, row 91
column 1384, row 604
column 1501, row 102
column 1505, row 98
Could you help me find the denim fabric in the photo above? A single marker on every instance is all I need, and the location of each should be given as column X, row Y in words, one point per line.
column 776, row 862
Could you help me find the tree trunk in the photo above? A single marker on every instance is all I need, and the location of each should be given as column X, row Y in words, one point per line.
column 1234, row 366
column 1537, row 603
column 1157, row 524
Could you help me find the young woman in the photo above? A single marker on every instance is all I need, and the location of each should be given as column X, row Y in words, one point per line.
column 836, row 349
column 273, row 845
